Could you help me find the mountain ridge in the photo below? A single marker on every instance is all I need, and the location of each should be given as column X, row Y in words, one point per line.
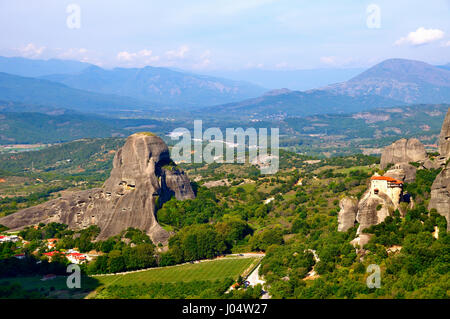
column 36, row 67
column 159, row 85
column 35, row 91
column 405, row 80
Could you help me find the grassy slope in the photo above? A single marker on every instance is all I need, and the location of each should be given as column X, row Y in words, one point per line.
column 208, row 270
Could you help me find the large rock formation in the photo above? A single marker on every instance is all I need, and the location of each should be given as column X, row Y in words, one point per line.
column 381, row 199
column 143, row 176
column 403, row 151
column 373, row 209
column 347, row 214
column 444, row 139
column 440, row 194
column 440, row 190
column 402, row 171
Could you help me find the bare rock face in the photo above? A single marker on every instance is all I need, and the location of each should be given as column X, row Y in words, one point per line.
column 143, row 176
column 433, row 164
column 404, row 172
column 373, row 209
column 403, row 151
column 444, row 139
column 347, row 214
column 440, row 194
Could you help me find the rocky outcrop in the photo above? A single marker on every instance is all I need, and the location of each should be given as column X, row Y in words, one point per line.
column 347, row 214
column 444, row 139
column 373, row 209
column 432, row 163
column 440, row 195
column 440, row 190
column 143, row 176
column 403, row 151
column 402, row 171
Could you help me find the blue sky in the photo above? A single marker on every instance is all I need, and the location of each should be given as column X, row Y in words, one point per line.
column 227, row 35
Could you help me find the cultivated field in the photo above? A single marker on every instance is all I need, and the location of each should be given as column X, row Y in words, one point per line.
column 206, row 270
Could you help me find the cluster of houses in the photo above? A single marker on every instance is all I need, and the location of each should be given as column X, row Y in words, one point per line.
column 72, row 255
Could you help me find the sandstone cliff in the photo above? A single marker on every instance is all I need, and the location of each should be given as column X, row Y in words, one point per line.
column 440, row 194
column 143, row 176
column 373, row 209
column 403, row 151
column 402, row 171
column 444, row 139
column 440, row 190
column 347, row 214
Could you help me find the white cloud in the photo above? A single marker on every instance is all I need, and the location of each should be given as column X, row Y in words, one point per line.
column 31, row 50
column 73, row 53
column 421, row 36
column 178, row 53
column 331, row 60
column 125, row 56
column 141, row 57
column 446, row 44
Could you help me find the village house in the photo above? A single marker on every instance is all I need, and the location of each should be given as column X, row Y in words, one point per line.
column 76, row 258
column 11, row 238
column 52, row 253
column 51, row 243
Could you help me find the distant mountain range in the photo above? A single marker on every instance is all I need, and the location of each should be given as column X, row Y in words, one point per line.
column 34, row 68
column 38, row 92
column 160, row 85
column 300, row 80
column 404, row 80
column 393, row 82
column 296, row 103
column 83, row 87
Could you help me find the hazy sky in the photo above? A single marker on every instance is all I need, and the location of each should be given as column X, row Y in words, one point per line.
column 239, row 34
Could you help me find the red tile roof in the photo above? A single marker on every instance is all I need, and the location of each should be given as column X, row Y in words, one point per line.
column 51, row 253
column 386, row 178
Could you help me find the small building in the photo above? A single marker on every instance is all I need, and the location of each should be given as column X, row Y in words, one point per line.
column 76, row 258
column 387, row 185
column 11, row 238
column 51, row 243
column 51, row 254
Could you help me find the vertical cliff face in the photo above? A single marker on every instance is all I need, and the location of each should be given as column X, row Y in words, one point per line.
column 440, row 190
column 403, row 171
column 347, row 214
column 138, row 181
column 174, row 182
column 403, row 151
column 373, row 209
column 440, row 194
column 444, row 139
